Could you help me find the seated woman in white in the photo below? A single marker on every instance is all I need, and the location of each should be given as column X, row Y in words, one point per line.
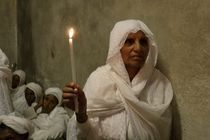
column 28, row 101
column 18, row 84
column 52, row 121
column 128, row 98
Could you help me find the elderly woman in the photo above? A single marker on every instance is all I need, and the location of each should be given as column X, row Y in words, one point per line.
column 128, row 98
column 6, row 106
column 15, row 128
column 18, row 84
column 27, row 102
column 52, row 121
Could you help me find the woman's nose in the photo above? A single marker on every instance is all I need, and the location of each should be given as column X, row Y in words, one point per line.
column 137, row 46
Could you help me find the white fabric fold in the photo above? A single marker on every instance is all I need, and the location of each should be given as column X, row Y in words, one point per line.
column 20, row 125
column 22, row 76
column 6, row 106
column 57, row 92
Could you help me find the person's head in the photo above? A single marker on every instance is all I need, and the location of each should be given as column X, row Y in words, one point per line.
column 14, row 128
column 135, row 50
column 33, row 93
column 52, row 98
column 18, row 78
column 131, row 46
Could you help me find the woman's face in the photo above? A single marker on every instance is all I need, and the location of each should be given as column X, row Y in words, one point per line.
column 15, row 81
column 49, row 103
column 135, row 50
column 29, row 96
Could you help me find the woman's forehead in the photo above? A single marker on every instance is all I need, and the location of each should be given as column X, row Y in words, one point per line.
column 137, row 34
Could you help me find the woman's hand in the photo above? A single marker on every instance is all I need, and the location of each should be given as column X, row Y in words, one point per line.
column 70, row 91
column 39, row 103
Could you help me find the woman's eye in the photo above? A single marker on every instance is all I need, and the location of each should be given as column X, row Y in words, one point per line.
column 129, row 41
column 143, row 42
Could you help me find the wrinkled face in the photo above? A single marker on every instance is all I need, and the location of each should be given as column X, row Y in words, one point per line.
column 49, row 103
column 29, row 96
column 9, row 134
column 135, row 50
column 15, row 81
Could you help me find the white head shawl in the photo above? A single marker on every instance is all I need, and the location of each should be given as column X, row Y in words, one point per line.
column 146, row 114
column 19, row 125
column 118, row 36
column 22, row 76
column 57, row 92
column 36, row 88
column 3, row 59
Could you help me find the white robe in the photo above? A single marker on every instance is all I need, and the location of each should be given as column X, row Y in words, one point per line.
column 6, row 106
column 121, row 109
column 51, row 126
column 115, row 108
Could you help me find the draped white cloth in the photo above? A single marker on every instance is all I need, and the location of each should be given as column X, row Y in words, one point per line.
column 122, row 109
column 17, row 92
column 21, row 105
column 5, row 78
column 53, row 125
column 19, row 125
column 22, row 76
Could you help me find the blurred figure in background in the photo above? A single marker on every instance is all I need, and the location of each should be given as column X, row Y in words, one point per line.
column 51, row 123
column 6, row 106
column 18, row 84
column 29, row 99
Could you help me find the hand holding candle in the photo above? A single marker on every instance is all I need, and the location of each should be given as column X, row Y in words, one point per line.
column 71, row 33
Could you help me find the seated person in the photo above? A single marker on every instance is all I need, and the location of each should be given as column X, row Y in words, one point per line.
column 52, row 121
column 18, row 84
column 29, row 101
column 15, row 128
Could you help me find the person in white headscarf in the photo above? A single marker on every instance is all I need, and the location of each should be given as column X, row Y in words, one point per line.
column 18, row 84
column 6, row 106
column 51, row 123
column 16, row 128
column 28, row 102
column 128, row 98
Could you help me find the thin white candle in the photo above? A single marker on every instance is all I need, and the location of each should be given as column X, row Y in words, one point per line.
column 71, row 33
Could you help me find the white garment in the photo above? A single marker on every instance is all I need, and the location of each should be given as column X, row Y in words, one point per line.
column 141, row 108
column 19, row 125
column 5, row 77
column 19, row 101
column 22, row 76
column 37, row 89
column 51, row 126
column 57, row 92
column 17, row 92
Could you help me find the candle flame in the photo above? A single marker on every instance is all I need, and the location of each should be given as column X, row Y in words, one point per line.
column 71, row 33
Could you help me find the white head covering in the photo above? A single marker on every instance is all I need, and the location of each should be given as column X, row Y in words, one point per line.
column 118, row 36
column 146, row 98
column 3, row 58
column 57, row 92
column 19, row 125
column 36, row 88
column 22, row 76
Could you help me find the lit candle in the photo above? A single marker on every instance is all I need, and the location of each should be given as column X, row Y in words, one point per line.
column 71, row 34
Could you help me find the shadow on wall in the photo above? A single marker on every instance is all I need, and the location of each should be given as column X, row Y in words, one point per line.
column 176, row 133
